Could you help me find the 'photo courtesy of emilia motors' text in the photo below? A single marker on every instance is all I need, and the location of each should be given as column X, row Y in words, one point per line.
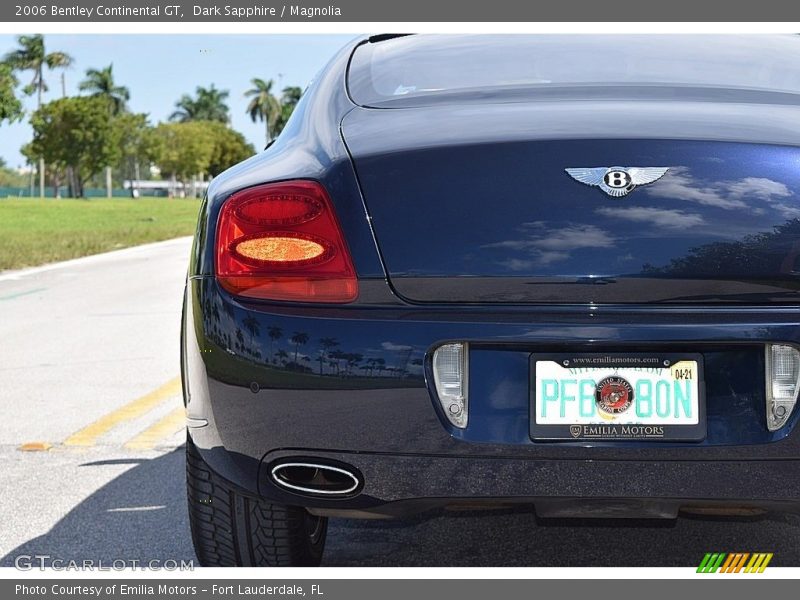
column 437, row 299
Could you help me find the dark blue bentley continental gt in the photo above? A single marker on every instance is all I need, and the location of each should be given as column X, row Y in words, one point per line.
column 493, row 270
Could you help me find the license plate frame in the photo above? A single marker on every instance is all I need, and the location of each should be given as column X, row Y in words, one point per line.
column 610, row 431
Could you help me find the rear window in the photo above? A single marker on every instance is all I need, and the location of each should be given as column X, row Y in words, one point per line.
column 420, row 69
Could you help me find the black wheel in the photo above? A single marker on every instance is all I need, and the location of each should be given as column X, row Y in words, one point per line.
column 230, row 529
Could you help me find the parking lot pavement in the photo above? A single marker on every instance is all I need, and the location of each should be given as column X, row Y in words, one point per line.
column 89, row 371
column 92, row 458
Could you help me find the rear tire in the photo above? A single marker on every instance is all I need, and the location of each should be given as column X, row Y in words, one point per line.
column 230, row 529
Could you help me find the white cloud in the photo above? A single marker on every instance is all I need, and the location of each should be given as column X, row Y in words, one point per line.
column 549, row 246
column 785, row 210
column 392, row 347
column 759, row 187
column 510, row 244
column 534, row 225
column 661, row 217
column 547, row 258
column 574, row 237
column 518, row 264
column 680, row 184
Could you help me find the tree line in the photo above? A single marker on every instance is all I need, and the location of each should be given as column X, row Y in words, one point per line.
column 75, row 138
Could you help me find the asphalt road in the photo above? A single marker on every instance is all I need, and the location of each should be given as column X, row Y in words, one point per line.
column 91, row 449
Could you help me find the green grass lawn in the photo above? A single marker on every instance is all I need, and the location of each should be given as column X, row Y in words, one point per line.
column 34, row 231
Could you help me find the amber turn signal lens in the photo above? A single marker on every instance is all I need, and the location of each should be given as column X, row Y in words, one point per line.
column 282, row 241
column 283, row 249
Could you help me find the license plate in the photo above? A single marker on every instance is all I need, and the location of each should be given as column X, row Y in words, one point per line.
column 617, row 397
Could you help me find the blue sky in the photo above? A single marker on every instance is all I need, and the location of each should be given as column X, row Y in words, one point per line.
column 158, row 69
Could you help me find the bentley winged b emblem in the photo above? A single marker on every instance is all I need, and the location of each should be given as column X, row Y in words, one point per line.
column 617, row 181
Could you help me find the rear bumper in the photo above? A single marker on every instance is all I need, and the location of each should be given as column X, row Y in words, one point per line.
column 251, row 405
column 395, row 485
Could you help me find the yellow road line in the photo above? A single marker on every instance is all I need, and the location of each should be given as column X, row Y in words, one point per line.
column 35, row 447
column 88, row 435
column 172, row 423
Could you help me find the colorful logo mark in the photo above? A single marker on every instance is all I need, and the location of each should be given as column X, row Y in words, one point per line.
column 734, row 562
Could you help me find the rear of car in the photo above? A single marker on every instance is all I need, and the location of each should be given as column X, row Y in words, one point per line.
column 421, row 296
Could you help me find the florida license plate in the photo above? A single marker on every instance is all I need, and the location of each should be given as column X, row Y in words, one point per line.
column 617, row 397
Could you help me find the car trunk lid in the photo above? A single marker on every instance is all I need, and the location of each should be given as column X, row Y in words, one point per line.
column 472, row 204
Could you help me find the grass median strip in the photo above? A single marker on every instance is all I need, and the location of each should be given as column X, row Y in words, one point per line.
column 89, row 435
column 34, row 231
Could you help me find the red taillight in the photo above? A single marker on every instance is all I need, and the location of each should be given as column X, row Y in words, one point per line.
column 281, row 241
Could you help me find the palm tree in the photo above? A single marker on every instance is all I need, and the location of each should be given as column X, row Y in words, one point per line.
column 327, row 343
column 100, row 82
column 274, row 333
column 289, row 99
column 353, row 360
column 32, row 56
column 251, row 324
column 240, row 338
column 337, row 356
column 298, row 339
column 229, row 310
column 291, row 95
column 187, row 109
column 264, row 106
column 381, row 364
column 208, row 105
column 282, row 355
column 370, row 365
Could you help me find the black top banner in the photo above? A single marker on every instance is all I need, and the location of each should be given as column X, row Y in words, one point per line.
column 607, row 11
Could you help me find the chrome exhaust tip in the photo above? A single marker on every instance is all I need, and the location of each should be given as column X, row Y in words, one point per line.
column 315, row 478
